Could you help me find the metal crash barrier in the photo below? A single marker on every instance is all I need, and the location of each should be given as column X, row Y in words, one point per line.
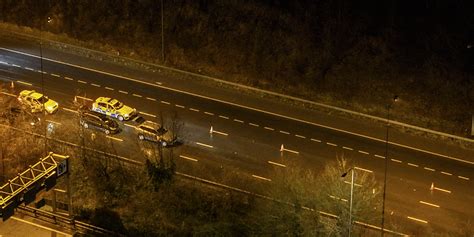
column 26, row 185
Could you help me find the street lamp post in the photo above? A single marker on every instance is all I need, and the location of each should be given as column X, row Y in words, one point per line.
column 352, row 194
column 389, row 106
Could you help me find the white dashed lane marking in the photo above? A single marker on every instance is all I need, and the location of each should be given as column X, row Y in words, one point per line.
column 395, row 160
column 284, row 132
column 83, row 82
column 224, row 117
column 260, row 177
column 414, row 165
column 109, row 88
column 193, row 109
column 137, row 95
column 165, row 102
column 179, row 106
column 379, row 156
column 188, row 158
column 315, row 140
column 238, row 121
column 202, row 144
column 123, row 92
column 54, row 75
column 446, row 173
column 428, row 168
column 149, row 98
column 462, row 177
column 277, row 164
column 96, row 85
column 253, row 124
column 347, row 148
column 416, row 219
column 24, row 83
column 300, row 136
column 68, row 78
column 331, row 144
column 363, row 152
column 208, row 113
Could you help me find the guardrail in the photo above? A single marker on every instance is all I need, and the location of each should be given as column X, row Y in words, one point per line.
column 69, row 223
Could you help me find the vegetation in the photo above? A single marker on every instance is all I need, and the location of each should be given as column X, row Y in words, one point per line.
column 330, row 51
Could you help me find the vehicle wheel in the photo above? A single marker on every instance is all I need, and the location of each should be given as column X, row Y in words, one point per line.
column 141, row 137
column 120, row 118
column 107, row 131
column 164, row 143
column 85, row 125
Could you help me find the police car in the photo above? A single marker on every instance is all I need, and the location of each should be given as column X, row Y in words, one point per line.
column 113, row 108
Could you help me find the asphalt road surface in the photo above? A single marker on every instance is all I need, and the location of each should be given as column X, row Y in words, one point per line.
column 423, row 189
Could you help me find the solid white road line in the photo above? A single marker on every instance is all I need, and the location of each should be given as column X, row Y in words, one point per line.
column 429, row 204
column 188, row 158
column 202, row 144
column 277, row 164
column 416, row 219
column 262, row 178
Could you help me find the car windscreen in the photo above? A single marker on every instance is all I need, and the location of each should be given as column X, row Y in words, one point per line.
column 42, row 99
column 116, row 104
